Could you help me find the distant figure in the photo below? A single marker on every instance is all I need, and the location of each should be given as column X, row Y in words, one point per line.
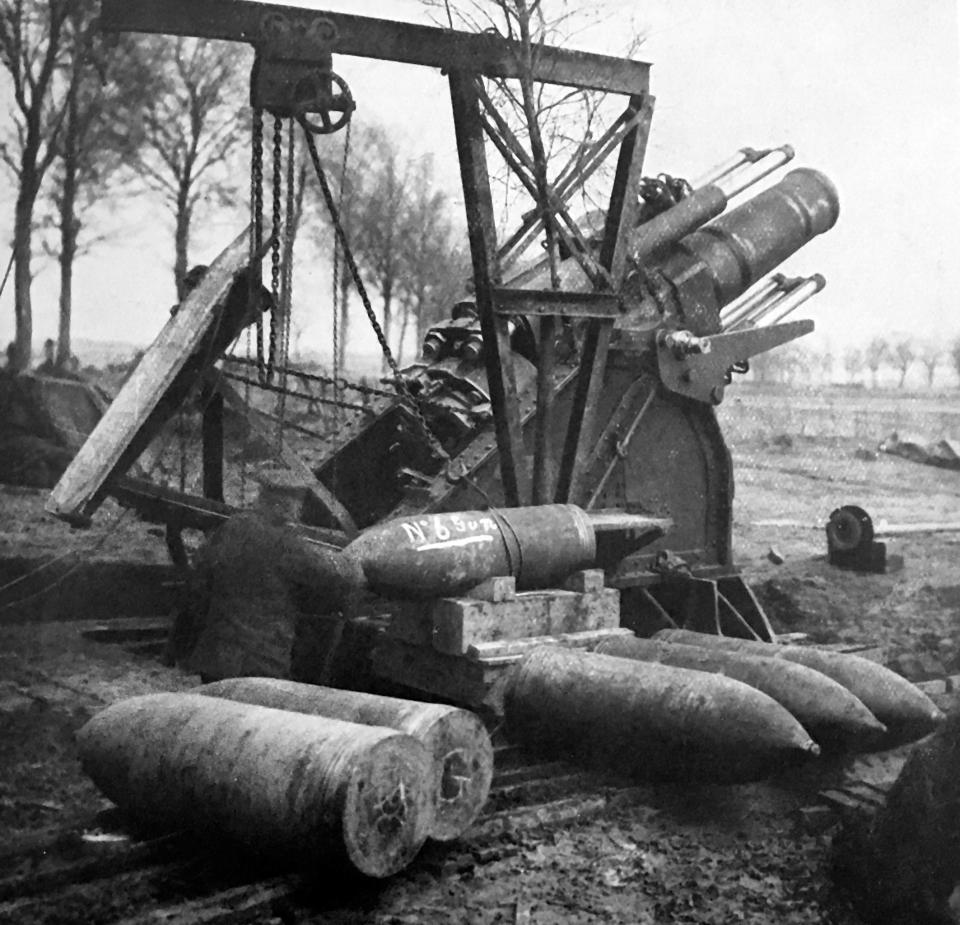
column 49, row 365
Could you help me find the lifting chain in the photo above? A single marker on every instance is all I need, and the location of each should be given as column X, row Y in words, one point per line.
column 256, row 222
column 276, row 216
column 337, row 392
column 285, row 305
column 340, row 385
column 399, row 382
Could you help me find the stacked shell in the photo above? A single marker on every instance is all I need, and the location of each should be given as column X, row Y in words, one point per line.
column 648, row 720
column 456, row 740
column 905, row 711
column 303, row 788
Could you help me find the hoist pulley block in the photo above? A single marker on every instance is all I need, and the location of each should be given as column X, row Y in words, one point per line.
column 293, row 72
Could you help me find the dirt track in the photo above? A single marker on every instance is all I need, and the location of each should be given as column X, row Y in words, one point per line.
column 662, row 854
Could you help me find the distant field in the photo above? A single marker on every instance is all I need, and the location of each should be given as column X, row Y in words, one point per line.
column 752, row 411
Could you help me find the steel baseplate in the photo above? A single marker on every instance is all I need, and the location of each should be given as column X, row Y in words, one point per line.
column 722, row 605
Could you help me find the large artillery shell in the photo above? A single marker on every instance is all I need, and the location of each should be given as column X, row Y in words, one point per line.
column 456, row 739
column 437, row 554
column 827, row 710
column 649, row 720
column 300, row 787
column 906, row 711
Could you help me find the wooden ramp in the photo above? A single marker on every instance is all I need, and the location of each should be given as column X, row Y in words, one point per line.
column 123, row 428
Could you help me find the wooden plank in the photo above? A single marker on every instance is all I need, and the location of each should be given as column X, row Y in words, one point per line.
column 161, row 505
column 453, row 678
column 497, row 589
column 585, row 582
column 407, row 43
column 459, row 623
column 75, row 496
column 586, row 639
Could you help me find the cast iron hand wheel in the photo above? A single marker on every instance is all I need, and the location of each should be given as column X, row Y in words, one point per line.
column 316, row 95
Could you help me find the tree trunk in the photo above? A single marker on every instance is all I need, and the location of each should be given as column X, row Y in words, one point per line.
column 182, row 237
column 22, row 276
column 69, row 230
column 387, row 317
column 404, row 324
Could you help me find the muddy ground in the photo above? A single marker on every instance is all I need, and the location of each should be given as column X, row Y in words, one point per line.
column 659, row 855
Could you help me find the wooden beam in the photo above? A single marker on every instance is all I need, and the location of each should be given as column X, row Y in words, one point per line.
column 124, row 424
column 212, row 436
column 481, row 53
column 483, row 249
column 621, row 217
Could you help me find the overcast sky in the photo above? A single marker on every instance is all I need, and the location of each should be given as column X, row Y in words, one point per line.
column 867, row 91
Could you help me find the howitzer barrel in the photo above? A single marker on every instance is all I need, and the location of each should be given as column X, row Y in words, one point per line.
column 743, row 245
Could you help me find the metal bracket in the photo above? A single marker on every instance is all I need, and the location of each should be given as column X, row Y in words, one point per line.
column 603, row 305
column 698, row 366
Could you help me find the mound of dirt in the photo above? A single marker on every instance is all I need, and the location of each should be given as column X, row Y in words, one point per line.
column 43, row 422
column 903, row 863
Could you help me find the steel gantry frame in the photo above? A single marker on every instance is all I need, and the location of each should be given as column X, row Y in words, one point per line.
column 308, row 38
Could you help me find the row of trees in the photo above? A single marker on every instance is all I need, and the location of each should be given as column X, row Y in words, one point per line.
column 93, row 121
column 796, row 363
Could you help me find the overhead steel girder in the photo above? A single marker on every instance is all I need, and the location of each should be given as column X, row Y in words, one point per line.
column 406, row 43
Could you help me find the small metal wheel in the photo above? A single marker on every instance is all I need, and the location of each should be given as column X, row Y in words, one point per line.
column 322, row 104
column 849, row 528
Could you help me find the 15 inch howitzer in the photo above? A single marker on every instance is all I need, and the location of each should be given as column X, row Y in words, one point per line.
column 589, row 383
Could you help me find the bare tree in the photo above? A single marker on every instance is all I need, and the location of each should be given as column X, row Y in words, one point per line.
column 827, row 363
column 555, row 123
column 930, row 355
column 874, row 355
column 34, row 41
column 955, row 356
column 853, row 363
column 348, row 159
column 426, row 253
column 181, row 141
column 901, row 357
column 378, row 216
column 88, row 155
